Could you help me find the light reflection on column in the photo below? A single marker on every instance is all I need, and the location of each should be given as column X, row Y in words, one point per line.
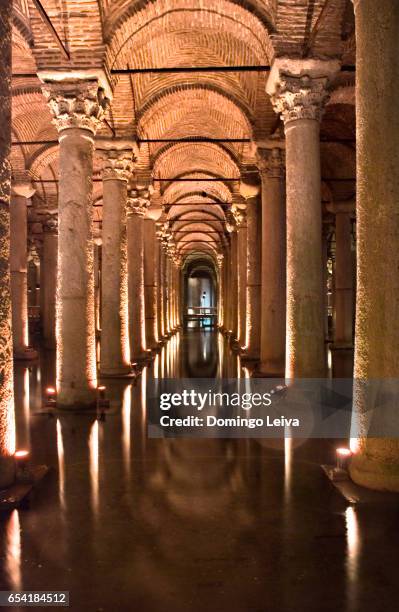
column 94, row 466
column 126, row 433
column 61, row 467
column 156, row 364
column 353, row 554
column 220, row 355
column 13, row 552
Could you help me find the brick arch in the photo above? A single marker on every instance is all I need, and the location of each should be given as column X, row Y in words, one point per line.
column 191, row 157
column 176, row 190
column 130, row 25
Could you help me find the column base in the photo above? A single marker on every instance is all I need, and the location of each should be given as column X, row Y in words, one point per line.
column 25, row 353
column 249, row 358
column 75, row 398
column 372, row 473
column 269, row 370
column 17, row 493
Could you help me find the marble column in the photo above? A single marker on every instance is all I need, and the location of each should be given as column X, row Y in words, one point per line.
column 160, row 289
column 273, row 262
column 220, row 289
column 375, row 463
column 298, row 91
column 7, row 417
column 49, row 279
column 253, row 308
column 233, row 292
column 150, row 287
column 164, row 292
column 78, row 108
column 137, row 205
column 242, row 280
column 20, row 196
column 115, row 350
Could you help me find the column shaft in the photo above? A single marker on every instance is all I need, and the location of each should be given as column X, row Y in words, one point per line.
column 233, row 319
column 150, row 288
column 19, row 269
column 343, row 332
column 7, row 418
column 135, row 249
column 273, row 291
column 115, row 350
column 376, row 460
column 49, row 287
column 253, row 324
column 242, row 283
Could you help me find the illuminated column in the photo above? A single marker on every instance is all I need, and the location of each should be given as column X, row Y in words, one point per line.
column 253, row 308
column 241, row 279
column 7, row 418
column 273, row 290
column 343, row 282
column 150, row 287
column 298, row 91
column 164, row 292
column 21, row 194
column 115, row 352
column 78, row 107
column 160, row 289
column 137, row 205
column 233, row 290
column 220, row 298
column 376, row 460
column 49, row 279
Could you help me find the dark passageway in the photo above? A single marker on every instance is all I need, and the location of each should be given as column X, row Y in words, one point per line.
column 180, row 524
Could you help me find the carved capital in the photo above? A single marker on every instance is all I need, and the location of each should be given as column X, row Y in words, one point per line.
column 50, row 223
column 271, row 162
column 117, row 164
column 300, row 97
column 138, row 202
column 76, row 103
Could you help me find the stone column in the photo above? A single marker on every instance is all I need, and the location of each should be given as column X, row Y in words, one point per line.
column 273, row 291
column 375, row 463
column 343, row 298
column 160, row 287
column 137, row 205
column 7, row 417
column 164, row 292
column 150, row 287
column 49, row 279
column 220, row 294
column 233, row 290
column 298, row 91
column 78, row 107
column 241, row 280
column 115, row 350
column 21, row 194
column 254, row 255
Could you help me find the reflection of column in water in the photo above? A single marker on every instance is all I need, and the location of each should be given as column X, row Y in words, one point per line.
column 22, row 412
column 220, row 355
column 13, row 552
column 352, row 560
column 94, row 466
column 61, row 466
column 126, row 433
column 288, row 452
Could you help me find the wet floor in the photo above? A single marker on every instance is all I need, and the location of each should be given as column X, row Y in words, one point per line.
column 125, row 523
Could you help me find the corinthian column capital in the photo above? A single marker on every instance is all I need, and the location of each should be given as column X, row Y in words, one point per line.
column 76, row 103
column 271, row 162
column 298, row 88
column 117, row 164
column 138, row 202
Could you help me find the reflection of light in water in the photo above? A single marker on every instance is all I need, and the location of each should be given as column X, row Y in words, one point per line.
column 13, row 552
column 246, row 372
column 287, row 463
column 329, row 360
column 238, row 366
column 61, row 465
column 162, row 362
column 26, row 404
column 126, row 412
column 94, row 468
column 38, row 374
column 144, row 402
column 353, row 550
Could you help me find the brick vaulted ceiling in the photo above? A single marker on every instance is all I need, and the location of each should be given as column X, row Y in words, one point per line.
column 136, row 34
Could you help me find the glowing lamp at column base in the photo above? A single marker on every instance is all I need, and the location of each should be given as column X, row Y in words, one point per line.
column 343, row 455
column 22, row 468
column 50, row 396
column 102, row 402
